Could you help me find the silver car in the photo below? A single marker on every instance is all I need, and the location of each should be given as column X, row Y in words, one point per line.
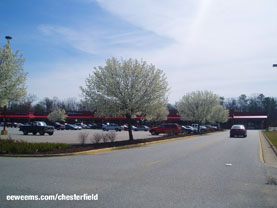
column 112, row 126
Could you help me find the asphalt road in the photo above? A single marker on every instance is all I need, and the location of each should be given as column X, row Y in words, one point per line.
column 184, row 173
column 71, row 136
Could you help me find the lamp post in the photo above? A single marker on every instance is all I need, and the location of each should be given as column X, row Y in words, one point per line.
column 8, row 38
column 4, row 131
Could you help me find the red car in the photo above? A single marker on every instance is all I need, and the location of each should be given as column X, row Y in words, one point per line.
column 238, row 130
column 166, row 128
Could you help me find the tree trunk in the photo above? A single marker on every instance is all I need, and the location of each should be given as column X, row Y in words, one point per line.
column 199, row 129
column 218, row 127
column 5, row 119
column 129, row 122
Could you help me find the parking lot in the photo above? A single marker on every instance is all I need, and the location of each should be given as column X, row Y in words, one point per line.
column 71, row 136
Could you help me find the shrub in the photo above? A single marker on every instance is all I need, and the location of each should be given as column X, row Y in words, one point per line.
column 110, row 136
column 9, row 146
column 83, row 137
column 97, row 137
column 105, row 138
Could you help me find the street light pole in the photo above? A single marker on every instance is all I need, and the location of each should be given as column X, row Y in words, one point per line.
column 8, row 38
column 4, row 131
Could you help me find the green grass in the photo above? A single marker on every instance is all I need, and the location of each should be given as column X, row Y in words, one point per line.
column 9, row 146
column 272, row 136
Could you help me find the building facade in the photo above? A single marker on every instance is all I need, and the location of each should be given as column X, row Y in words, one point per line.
column 250, row 120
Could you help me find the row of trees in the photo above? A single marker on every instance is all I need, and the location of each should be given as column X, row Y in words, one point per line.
column 46, row 105
column 254, row 103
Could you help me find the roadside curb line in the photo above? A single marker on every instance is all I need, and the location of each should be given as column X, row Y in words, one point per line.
column 103, row 150
column 261, row 149
column 270, row 144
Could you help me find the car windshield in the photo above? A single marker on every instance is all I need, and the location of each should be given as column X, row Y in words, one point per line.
column 237, row 127
column 41, row 123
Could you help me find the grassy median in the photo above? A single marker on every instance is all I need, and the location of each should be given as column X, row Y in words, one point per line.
column 272, row 136
column 9, row 146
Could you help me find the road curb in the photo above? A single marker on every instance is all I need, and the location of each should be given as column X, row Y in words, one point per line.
column 270, row 144
column 103, row 150
column 261, row 149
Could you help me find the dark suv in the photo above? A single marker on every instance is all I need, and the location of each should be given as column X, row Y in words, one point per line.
column 166, row 128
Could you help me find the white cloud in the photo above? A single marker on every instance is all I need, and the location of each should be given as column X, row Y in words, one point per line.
column 102, row 41
column 224, row 46
column 217, row 43
column 78, row 39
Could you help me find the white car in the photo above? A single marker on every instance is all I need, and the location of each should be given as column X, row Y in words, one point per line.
column 201, row 129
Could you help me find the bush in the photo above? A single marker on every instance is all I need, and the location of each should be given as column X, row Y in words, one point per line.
column 83, row 137
column 105, row 137
column 9, row 146
column 97, row 137
column 111, row 136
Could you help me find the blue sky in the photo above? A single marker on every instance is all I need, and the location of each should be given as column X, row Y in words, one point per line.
column 227, row 47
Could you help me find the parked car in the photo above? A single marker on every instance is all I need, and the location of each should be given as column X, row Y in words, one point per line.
column 124, row 127
column 99, row 126
column 11, row 124
column 95, row 126
column 238, row 130
column 201, row 129
column 92, row 126
column 72, row 127
column 19, row 124
column 140, row 128
column 37, row 127
column 189, row 129
column 82, row 125
column 59, row 126
column 211, row 127
column 111, row 126
column 166, row 128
